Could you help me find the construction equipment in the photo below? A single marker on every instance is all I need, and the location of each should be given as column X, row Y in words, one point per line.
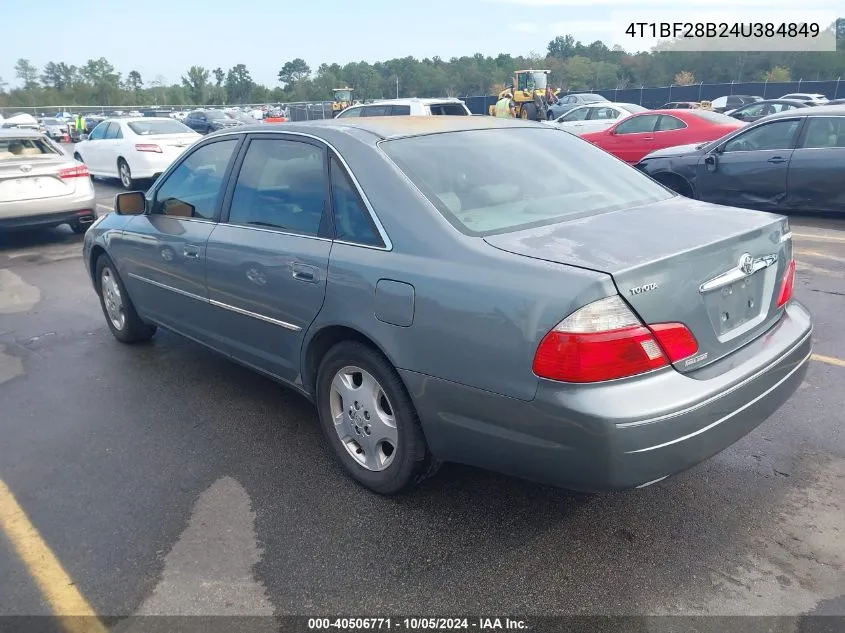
column 529, row 94
column 342, row 100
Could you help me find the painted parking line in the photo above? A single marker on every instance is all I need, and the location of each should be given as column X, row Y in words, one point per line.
column 57, row 587
column 834, row 258
column 830, row 360
column 819, row 238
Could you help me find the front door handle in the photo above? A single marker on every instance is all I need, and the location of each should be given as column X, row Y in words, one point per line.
column 304, row 272
column 648, row 138
column 777, row 159
column 191, row 251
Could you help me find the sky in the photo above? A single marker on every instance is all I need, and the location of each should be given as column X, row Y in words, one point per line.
column 164, row 38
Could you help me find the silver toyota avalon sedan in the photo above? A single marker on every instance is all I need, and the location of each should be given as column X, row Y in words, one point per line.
column 469, row 289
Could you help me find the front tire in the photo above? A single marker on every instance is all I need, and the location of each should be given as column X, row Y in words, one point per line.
column 370, row 421
column 125, row 174
column 121, row 317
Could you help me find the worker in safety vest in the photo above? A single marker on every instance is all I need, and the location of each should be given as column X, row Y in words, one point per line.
column 505, row 107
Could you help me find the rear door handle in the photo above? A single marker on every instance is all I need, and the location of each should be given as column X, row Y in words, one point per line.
column 192, row 251
column 777, row 159
column 648, row 138
column 304, row 272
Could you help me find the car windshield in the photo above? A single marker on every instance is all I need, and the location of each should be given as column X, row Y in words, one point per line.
column 168, row 126
column 52, row 122
column 633, row 108
column 713, row 117
column 12, row 148
column 472, row 179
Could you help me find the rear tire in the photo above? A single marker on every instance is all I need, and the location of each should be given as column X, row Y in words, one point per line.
column 370, row 421
column 125, row 174
column 78, row 227
column 121, row 317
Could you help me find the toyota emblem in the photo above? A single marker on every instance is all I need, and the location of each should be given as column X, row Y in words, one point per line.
column 746, row 263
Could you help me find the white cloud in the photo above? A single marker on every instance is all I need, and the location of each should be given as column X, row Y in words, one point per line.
column 526, row 27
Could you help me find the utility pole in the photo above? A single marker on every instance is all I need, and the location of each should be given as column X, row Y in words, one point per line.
column 397, row 86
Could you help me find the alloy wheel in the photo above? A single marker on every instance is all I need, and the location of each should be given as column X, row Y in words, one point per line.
column 112, row 299
column 363, row 418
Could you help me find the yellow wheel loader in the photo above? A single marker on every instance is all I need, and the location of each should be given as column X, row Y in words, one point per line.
column 529, row 94
column 342, row 100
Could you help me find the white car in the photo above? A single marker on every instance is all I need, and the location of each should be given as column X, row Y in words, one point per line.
column 133, row 149
column 807, row 97
column 594, row 117
column 408, row 107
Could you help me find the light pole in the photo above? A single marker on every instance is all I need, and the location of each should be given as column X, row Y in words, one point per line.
column 397, row 86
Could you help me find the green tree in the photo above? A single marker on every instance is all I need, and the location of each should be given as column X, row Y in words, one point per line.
column 239, row 84
column 196, row 83
column 104, row 82
column 778, row 73
column 27, row 73
column 684, row 78
column 134, row 81
column 219, row 76
column 293, row 71
column 562, row 47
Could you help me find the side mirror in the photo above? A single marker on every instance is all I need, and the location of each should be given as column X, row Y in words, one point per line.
column 83, row 137
column 130, row 203
column 711, row 162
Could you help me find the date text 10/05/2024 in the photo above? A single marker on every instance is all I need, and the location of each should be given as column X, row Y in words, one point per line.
column 416, row 624
column 723, row 29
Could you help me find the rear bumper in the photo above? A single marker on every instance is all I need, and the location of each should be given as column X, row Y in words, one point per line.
column 621, row 434
column 50, row 211
column 84, row 216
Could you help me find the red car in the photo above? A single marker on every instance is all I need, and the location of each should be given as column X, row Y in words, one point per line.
column 639, row 134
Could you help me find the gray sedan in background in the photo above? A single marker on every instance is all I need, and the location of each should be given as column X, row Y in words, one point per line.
column 562, row 318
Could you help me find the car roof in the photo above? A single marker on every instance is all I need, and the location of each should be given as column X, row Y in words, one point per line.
column 19, row 132
column 820, row 110
column 387, row 127
column 409, row 100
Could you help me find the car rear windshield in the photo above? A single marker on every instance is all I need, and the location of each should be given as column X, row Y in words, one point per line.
column 147, row 128
column 713, row 117
column 12, row 148
column 506, row 179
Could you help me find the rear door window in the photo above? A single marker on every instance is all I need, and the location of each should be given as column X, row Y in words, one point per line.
column 638, row 124
column 281, row 185
column 376, row 110
column 400, row 110
column 824, row 133
column 447, row 109
column 668, row 123
column 352, row 221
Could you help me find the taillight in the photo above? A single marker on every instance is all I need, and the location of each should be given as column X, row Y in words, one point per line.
column 148, row 147
column 787, row 287
column 79, row 171
column 605, row 340
column 675, row 339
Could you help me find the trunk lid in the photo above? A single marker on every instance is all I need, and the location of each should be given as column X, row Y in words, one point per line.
column 171, row 144
column 31, row 177
column 677, row 261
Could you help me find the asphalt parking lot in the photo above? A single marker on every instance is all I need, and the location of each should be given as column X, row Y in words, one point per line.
column 163, row 479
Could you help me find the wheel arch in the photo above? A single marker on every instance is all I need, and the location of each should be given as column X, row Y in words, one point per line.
column 97, row 251
column 322, row 340
column 665, row 176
